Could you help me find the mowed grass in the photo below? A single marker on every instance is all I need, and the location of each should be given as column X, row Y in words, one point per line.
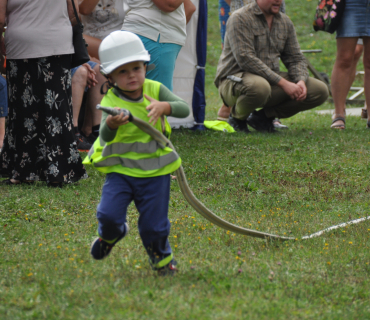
column 293, row 183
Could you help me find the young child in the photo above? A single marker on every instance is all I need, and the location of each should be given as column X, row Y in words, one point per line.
column 137, row 167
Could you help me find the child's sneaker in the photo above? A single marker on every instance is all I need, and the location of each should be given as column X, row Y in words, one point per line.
column 90, row 138
column 100, row 248
column 82, row 144
column 168, row 270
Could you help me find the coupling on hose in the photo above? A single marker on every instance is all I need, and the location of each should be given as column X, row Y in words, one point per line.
column 115, row 112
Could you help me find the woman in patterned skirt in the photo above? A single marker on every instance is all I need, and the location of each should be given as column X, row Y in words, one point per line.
column 39, row 141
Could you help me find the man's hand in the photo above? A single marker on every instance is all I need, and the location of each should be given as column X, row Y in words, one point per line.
column 303, row 95
column 91, row 80
column 114, row 122
column 294, row 91
column 157, row 109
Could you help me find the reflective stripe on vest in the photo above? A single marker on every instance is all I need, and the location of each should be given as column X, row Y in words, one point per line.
column 143, row 164
column 92, row 150
column 138, row 147
column 132, row 151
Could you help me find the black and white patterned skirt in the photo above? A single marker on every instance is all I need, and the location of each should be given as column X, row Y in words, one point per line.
column 39, row 140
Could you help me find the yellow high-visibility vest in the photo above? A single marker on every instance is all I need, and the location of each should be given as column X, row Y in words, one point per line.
column 134, row 152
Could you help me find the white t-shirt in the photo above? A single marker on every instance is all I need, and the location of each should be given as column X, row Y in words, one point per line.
column 38, row 28
column 107, row 17
column 144, row 18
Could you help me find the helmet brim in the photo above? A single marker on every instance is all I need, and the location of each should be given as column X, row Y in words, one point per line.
column 145, row 57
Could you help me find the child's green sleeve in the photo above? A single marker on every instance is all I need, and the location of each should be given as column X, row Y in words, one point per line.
column 179, row 108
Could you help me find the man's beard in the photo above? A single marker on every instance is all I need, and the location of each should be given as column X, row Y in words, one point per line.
column 273, row 12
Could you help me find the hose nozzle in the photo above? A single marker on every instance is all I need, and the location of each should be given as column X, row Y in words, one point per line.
column 115, row 112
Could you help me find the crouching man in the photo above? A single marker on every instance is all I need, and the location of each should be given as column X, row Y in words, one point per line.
column 248, row 75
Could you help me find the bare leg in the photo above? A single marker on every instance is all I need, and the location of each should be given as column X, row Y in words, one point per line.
column 94, row 97
column 367, row 72
column 223, row 112
column 340, row 80
column 79, row 82
column 358, row 52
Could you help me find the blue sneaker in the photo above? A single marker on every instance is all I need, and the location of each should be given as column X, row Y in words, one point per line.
column 100, row 248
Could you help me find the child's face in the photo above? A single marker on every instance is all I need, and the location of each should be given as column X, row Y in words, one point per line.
column 129, row 77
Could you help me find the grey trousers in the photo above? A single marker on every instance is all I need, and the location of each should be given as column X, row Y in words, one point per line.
column 254, row 92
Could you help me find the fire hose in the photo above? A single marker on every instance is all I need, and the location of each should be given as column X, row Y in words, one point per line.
column 197, row 204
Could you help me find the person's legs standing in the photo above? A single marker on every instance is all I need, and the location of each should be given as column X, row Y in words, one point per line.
column 340, row 82
column 152, row 199
column 111, row 213
column 367, row 74
column 79, row 82
column 358, row 52
column 3, row 108
column 223, row 15
column 2, row 131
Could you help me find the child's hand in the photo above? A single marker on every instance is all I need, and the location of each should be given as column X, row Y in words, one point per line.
column 157, row 109
column 114, row 122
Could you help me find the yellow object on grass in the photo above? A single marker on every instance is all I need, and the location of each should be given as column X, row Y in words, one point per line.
column 219, row 126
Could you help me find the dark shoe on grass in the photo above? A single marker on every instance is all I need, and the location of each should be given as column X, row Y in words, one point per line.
column 90, row 138
column 82, row 144
column 101, row 249
column 258, row 121
column 238, row 125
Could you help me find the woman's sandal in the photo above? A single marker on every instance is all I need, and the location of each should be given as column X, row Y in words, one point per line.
column 339, row 126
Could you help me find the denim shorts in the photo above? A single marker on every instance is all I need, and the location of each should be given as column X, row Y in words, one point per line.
column 3, row 98
column 356, row 20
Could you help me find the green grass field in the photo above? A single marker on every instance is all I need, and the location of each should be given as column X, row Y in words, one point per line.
column 292, row 183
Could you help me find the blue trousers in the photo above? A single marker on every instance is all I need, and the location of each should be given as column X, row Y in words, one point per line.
column 151, row 197
column 164, row 56
column 223, row 16
column 3, row 98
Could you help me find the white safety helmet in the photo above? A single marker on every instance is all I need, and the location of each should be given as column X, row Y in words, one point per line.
column 119, row 48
